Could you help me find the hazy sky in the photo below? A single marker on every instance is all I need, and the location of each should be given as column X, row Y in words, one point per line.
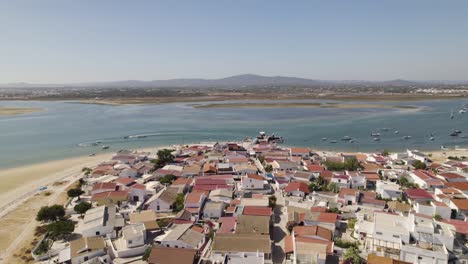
column 44, row 41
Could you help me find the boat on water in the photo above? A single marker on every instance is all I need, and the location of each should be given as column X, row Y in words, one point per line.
column 92, row 154
column 376, row 139
column 451, row 114
column 453, row 134
column 432, row 138
column 333, row 141
column 263, row 137
column 384, row 129
column 406, row 137
column 397, row 132
column 105, row 147
column 375, row 134
column 324, row 139
column 352, row 141
column 346, row 138
column 443, row 147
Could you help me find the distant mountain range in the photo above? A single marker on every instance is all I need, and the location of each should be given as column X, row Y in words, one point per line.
column 237, row 81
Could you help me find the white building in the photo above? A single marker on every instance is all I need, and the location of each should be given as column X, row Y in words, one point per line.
column 213, row 210
column 181, row 236
column 132, row 242
column 252, row 182
column 388, row 190
column 162, row 201
column 100, row 221
column 389, row 230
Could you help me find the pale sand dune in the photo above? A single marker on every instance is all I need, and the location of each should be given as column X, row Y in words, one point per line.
column 18, row 110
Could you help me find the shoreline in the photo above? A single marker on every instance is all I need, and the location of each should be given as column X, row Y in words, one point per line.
column 303, row 105
column 13, row 111
column 18, row 182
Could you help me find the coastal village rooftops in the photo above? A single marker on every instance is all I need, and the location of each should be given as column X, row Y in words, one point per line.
column 167, row 195
column 101, row 215
column 253, row 224
column 165, row 255
column 227, row 224
column 461, row 204
column 313, row 231
column 460, row 226
column 147, row 217
column 297, row 186
column 315, row 168
column 417, row 194
column 241, row 243
column 112, row 195
column 347, row 191
column 451, row 175
column 85, row 245
column 125, row 181
column 257, row 210
column 374, row 259
column 297, row 150
column 255, row 177
column 194, row 197
column 462, row 186
column 104, row 186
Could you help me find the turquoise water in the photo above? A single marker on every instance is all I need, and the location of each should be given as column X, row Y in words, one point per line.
column 56, row 132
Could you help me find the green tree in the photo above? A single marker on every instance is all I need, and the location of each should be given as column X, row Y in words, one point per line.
column 437, row 217
column 272, row 201
column 164, row 157
column 333, row 187
column 147, row 253
column 75, row 192
column 419, row 165
column 268, row 168
column 320, row 180
column 167, row 179
column 385, row 153
column 352, row 164
column 50, row 213
column 313, row 187
column 351, row 255
column 82, row 207
column 86, row 171
column 333, row 210
column 179, row 203
column 352, row 223
column 261, row 158
column 60, row 229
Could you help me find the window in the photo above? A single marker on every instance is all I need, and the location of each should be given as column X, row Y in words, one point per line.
column 129, row 241
column 378, row 233
column 98, row 233
column 86, row 258
column 396, row 236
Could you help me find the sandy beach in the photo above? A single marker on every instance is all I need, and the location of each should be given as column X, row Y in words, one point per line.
column 303, row 105
column 18, row 110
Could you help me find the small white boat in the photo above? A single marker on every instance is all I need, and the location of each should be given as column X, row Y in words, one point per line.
column 346, row 138
column 432, row 138
column 92, row 154
column 324, row 139
column 397, row 132
column 375, row 134
column 462, row 111
column 406, row 137
column 105, row 147
column 376, row 139
column 333, row 141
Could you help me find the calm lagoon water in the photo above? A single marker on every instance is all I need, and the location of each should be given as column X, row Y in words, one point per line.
column 56, row 132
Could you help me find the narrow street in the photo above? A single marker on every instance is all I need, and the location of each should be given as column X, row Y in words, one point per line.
column 279, row 229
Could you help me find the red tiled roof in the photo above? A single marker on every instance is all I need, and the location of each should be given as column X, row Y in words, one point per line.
column 451, row 175
column 138, row 186
column 255, row 176
column 122, row 195
column 197, row 229
column 417, row 194
column 347, row 191
column 315, row 168
column 462, row 186
column 313, row 231
column 460, row 225
column 327, row 217
column 461, row 204
column 104, row 186
column 297, row 186
column 182, row 181
column 288, row 244
column 228, row 224
column 124, row 181
column 257, row 210
column 316, row 241
column 318, row 209
column 194, row 197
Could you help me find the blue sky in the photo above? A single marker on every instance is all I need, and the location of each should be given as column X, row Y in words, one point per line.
column 80, row 41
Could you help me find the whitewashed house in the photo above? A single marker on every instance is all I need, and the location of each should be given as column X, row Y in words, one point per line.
column 163, row 201
column 252, row 182
column 132, row 242
column 388, row 190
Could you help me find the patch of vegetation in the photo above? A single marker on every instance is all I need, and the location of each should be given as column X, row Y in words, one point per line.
column 345, row 244
column 351, row 223
column 147, row 253
column 419, row 165
column 351, row 164
column 272, row 201
column 179, row 203
column 75, row 192
column 60, row 229
column 163, row 222
column 50, row 213
column 164, row 157
column 268, row 168
column 82, row 207
column 351, row 256
column 167, row 179
column 43, row 247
